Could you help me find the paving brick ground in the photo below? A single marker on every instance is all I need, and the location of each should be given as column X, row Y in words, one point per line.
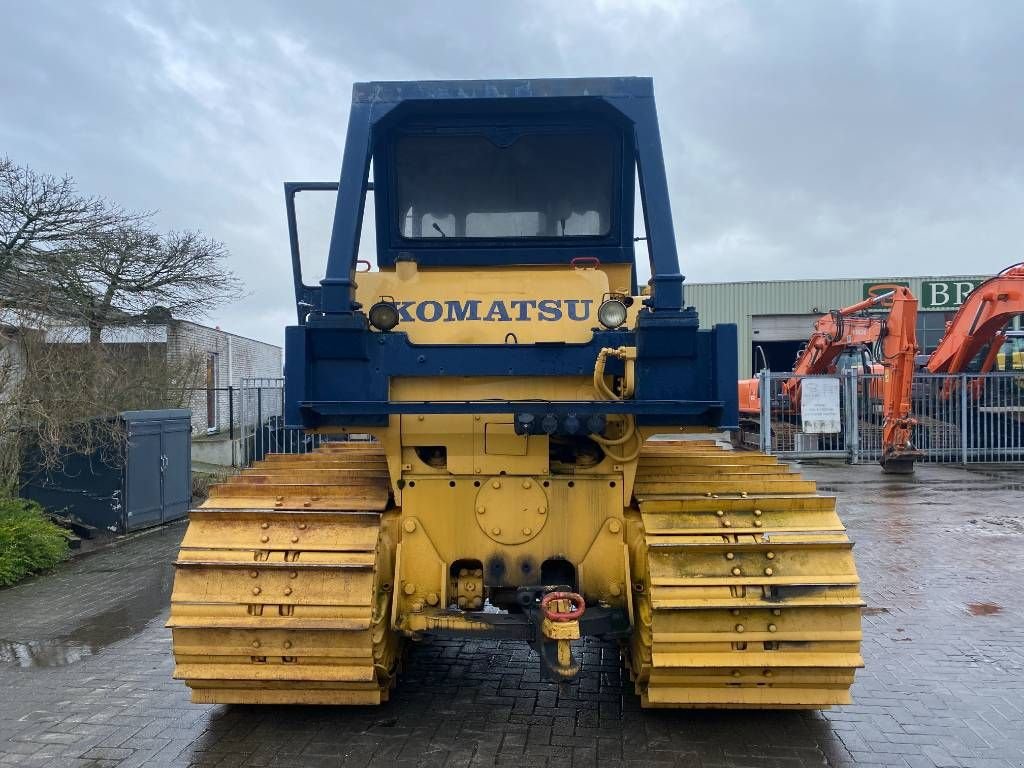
column 85, row 667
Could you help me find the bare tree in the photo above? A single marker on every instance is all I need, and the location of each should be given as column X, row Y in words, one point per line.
column 59, row 413
column 70, row 262
column 10, row 368
column 82, row 259
column 124, row 274
column 44, row 222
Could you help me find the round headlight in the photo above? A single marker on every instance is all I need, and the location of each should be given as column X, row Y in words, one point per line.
column 612, row 313
column 383, row 315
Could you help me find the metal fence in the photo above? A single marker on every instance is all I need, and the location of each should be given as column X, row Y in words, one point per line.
column 261, row 422
column 251, row 414
column 964, row 418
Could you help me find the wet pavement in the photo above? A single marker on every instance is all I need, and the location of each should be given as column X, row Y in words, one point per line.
column 85, row 667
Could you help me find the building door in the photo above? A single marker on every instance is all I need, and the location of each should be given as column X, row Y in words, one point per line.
column 211, row 392
column 776, row 340
column 775, row 355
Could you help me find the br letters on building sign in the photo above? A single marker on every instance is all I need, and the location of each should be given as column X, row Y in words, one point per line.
column 945, row 294
column 935, row 294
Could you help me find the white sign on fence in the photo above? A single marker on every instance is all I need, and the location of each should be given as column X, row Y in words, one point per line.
column 819, row 405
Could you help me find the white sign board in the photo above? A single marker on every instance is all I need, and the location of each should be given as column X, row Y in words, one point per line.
column 819, row 405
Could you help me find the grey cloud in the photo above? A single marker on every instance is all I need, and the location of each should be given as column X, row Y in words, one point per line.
column 802, row 138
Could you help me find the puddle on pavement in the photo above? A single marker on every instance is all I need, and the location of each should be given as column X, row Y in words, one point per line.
column 983, row 609
column 95, row 632
column 43, row 653
column 917, row 490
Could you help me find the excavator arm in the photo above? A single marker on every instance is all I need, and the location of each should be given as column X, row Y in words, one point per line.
column 837, row 332
column 981, row 320
column 833, row 333
column 897, row 350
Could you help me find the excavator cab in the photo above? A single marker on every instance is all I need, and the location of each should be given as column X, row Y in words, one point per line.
column 1010, row 357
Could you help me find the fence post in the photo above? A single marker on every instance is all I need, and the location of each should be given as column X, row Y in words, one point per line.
column 280, row 429
column 764, row 385
column 258, row 436
column 852, row 422
column 231, row 412
column 243, row 420
column 963, row 418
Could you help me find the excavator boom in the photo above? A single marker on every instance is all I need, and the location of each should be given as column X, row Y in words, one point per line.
column 980, row 320
column 835, row 333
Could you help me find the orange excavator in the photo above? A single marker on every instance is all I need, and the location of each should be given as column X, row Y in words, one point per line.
column 981, row 320
column 894, row 338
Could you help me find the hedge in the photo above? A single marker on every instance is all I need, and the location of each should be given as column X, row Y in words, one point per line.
column 29, row 542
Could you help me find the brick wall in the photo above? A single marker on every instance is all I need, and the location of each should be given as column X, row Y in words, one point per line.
column 236, row 358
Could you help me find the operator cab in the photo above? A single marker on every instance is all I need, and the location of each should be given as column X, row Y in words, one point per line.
column 1011, row 355
column 1008, row 358
column 493, row 186
column 504, row 226
column 857, row 359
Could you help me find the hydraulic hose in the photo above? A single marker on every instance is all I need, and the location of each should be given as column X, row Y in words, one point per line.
column 622, row 458
column 630, row 433
column 599, row 364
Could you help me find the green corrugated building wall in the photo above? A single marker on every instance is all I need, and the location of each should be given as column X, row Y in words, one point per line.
column 779, row 315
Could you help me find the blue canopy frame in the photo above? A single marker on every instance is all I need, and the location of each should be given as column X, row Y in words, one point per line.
column 337, row 368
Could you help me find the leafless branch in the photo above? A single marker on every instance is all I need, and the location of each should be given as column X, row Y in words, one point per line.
column 69, row 261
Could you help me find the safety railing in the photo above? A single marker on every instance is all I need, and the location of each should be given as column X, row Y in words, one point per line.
column 963, row 418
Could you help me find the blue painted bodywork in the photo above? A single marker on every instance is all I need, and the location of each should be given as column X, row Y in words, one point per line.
column 337, row 369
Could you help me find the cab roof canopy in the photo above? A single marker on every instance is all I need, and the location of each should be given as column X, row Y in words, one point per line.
column 499, row 172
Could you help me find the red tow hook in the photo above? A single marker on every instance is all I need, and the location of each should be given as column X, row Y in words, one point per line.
column 576, row 601
column 559, row 627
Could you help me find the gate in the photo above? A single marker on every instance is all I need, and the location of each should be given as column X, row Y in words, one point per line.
column 781, row 428
column 963, row 418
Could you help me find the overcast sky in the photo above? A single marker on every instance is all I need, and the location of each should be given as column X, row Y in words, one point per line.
column 802, row 139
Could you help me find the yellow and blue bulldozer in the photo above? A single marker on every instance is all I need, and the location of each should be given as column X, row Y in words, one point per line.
column 547, row 461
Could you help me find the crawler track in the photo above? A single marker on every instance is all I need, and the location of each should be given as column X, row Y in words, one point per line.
column 745, row 589
column 282, row 590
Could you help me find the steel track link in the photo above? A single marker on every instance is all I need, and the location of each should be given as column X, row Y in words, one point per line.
column 282, row 588
column 745, row 589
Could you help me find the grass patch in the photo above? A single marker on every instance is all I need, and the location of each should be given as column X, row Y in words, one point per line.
column 203, row 481
column 29, row 542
